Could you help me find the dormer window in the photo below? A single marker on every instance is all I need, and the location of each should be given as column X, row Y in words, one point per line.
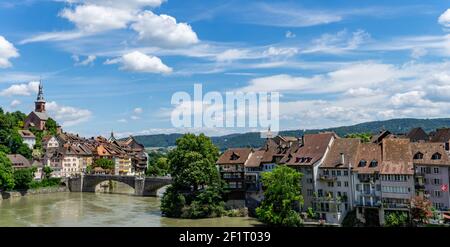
column 362, row 163
column 436, row 156
column 418, row 156
column 373, row 163
column 234, row 156
column 308, row 159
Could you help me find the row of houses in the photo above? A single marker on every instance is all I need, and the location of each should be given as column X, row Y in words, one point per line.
column 342, row 174
column 70, row 155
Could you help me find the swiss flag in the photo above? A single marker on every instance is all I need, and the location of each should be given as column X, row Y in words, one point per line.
column 444, row 187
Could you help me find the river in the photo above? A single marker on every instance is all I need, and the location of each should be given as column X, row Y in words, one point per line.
column 98, row 209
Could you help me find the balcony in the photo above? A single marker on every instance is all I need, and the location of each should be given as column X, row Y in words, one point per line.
column 419, row 174
column 375, row 204
column 420, row 187
column 396, row 205
column 328, row 178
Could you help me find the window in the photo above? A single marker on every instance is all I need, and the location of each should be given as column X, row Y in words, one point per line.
column 326, row 172
column 358, row 187
column 436, row 170
column 437, row 193
column 338, row 183
column 436, row 156
column 333, row 173
column 346, row 184
column 309, row 180
column 345, row 173
column 373, row 163
column 330, row 184
column 320, row 193
column 362, row 163
column 436, row 181
column 418, row 156
column 338, row 173
column 309, row 192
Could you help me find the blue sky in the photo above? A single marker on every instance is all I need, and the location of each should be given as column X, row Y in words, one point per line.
column 114, row 65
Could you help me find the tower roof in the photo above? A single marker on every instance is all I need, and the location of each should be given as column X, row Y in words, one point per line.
column 40, row 96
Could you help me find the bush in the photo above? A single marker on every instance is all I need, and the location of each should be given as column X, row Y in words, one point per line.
column 396, row 219
column 172, row 202
column 23, row 178
column 310, row 213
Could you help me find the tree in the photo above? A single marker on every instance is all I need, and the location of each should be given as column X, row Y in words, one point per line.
column 24, row 177
column 6, row 173
column 159, row 168
column 47, row 172
column 104, row 163
column 365, row 137
column 197, row 189
column 421, row 210
column 282, row 197
column 51, row 126
column 396, row 219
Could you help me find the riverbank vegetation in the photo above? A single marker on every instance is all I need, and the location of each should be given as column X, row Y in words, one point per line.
column 282, row 197
column 197, row 189
column 158, row 164
column 23, row 179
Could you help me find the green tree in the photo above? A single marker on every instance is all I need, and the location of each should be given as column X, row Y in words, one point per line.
column 365, row 137
column 282, row 197
column 51, row 126
column 47, row 172
column 6, row 173
column 396, row 219
column 104, row 163
column 197, row 189
column 24, row 177
column 159, row 168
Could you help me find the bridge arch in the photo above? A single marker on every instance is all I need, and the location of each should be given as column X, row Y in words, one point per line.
column 143, row 186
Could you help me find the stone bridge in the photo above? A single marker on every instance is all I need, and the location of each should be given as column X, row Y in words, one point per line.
column 143, row 186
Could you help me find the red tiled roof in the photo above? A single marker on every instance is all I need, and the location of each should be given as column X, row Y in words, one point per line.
column 348, row 147
column 427, row 150
column 397, row 157
column 313, row 149
column 368, row 152
column 241, row 155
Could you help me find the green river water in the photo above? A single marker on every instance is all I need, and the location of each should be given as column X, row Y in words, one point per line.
column 99, row 210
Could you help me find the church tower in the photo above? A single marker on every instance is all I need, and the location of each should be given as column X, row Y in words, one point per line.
column 40, row 101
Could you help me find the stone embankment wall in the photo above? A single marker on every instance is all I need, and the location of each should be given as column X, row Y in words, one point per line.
column 9, row 194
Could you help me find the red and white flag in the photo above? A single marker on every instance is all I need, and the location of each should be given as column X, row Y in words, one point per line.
column 444, row 187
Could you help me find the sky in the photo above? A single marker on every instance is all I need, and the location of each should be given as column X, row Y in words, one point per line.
column 112, row 65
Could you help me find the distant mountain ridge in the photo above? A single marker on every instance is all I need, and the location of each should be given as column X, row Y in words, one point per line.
column 252, row 139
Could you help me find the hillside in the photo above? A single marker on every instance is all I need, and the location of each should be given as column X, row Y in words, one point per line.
column 252, row 139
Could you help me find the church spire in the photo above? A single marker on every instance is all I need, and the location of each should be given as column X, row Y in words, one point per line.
column 40, row 101
column 40, row 96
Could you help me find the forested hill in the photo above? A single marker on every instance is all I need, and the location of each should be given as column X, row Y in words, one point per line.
column 402, row 125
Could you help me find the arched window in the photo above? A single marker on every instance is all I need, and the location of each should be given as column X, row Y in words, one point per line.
column 436, row 156
column 362, row 163
column 373, row 163
column 418, row 156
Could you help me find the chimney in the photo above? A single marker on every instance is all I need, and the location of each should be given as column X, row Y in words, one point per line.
column 342, row 159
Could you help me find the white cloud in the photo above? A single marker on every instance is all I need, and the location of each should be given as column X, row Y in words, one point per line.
column 67, row 115
column 139, row 62
column 88, row 61
column 24, row 89
column 410, row 99
column 232, row 54
column 290, row 35
column 15, row 103
column 7, row 51
column 339, row 42
column 444, row 19
column 163, row 30
column 418, row 52
column 351, row 76
column 138, row 110
column 135, row 117
column 122, row 120
column 275, row 51
column 93, row 18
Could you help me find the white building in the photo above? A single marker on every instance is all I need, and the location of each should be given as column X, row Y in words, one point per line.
column 28, row 138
